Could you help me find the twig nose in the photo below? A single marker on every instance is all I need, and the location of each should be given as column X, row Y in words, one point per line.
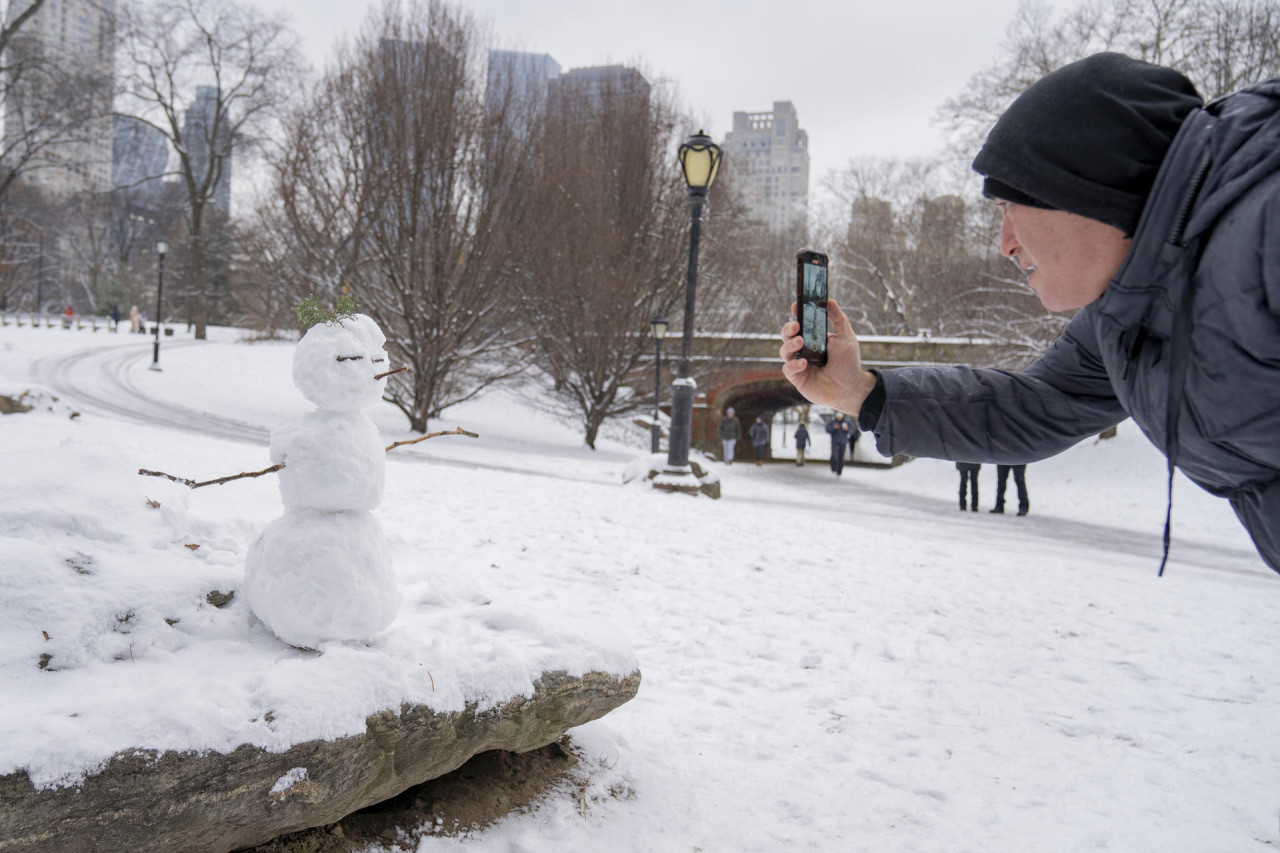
column 390, row 372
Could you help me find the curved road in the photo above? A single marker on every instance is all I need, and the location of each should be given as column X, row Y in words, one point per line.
column 99, row 381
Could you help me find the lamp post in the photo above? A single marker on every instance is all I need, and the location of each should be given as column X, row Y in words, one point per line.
column 161, row 248
column 658, row 325
column 699, row 161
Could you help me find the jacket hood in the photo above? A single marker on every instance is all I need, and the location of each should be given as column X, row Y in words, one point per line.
column 1242, row 148
column 1220, row 152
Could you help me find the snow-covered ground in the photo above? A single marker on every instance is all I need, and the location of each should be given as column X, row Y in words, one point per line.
column 829, row 664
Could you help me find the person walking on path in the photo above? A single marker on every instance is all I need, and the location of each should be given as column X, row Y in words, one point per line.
column 839, row 430
column 969, row 476
column 1019, row 480
column 760, row 438
column 730, row 431
column 802, row 441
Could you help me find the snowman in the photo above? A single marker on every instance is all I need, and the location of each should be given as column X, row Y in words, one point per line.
column 322, row 571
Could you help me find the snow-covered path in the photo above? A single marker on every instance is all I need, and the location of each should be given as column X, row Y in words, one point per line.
column 104, row 381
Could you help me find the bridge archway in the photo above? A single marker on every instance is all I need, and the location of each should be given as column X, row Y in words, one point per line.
column 747, row 375
column 763, row 392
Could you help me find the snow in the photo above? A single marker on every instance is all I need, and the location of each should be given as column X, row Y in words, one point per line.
column 829, row 663
column 289, row 779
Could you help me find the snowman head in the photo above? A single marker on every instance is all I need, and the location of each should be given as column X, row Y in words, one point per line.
column 335, row 364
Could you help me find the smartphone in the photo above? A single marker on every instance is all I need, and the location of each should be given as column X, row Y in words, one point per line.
column 811, row 305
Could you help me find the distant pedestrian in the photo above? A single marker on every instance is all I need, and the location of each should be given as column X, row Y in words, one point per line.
column 115, row 318
column 802, row 441
column 67, row 317
column 133, row 320
column 969, row 476
column 1019, row 480
column 840, row 431
column 730, row 431
column 760, row 438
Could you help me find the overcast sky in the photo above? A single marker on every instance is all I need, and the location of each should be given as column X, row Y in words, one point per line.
column 865, row 77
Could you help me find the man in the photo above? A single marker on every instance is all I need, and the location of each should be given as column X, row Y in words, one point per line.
column 759, row 434
column 969, row 478
column 1019, row 480
column 1158, row 218
column 840, row 431
column 730, row 431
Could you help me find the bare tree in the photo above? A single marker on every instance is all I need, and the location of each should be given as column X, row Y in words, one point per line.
column 1220, row 44
column 610, row 254
column 240, row 65
column 263, row 280
column 397, row 184
column 917, row 256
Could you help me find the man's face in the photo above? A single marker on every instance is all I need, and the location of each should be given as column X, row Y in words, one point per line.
column 1069, row 259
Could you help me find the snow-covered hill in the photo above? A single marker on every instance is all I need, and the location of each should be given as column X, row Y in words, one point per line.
column 829, row 664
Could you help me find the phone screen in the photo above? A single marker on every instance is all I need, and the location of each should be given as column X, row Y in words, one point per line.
column 811, row 302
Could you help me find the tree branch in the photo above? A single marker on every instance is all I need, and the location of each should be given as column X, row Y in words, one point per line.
column 218, row 482
column 458, row 431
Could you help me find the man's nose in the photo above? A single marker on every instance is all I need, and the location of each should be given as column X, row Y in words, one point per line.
column 1008, row 242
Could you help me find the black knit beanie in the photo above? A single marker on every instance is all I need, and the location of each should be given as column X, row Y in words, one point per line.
column 1088, row 138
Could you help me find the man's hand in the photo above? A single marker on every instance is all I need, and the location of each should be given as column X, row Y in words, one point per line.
column 841, row 383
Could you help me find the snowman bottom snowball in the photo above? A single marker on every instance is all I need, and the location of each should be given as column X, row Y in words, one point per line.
column 316, row 576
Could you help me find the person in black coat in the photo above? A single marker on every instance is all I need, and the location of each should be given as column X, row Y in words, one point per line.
column 969, row 477
column 839, row 430
column 1019, row 480
column 802, row 441
column 759, row 433
column 1151, row 214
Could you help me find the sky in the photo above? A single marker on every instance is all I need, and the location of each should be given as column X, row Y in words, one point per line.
column 828, row 663
column 866, row 78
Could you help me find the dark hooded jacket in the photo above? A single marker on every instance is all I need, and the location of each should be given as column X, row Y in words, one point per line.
column 1185, row 340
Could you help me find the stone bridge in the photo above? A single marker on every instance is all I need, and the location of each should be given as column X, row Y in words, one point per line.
column 743, row 371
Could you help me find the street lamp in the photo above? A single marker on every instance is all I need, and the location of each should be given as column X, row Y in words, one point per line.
column 161, row 248
column 658, row 325
column 699, row 161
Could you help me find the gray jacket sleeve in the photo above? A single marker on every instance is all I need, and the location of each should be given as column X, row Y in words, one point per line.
column 989, row 415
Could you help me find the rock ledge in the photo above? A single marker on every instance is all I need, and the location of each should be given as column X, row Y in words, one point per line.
column 143, row 801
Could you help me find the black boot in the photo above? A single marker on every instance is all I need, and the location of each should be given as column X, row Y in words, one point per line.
column 999, row 510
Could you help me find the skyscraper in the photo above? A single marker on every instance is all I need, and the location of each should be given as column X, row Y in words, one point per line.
column 590, row 85
column 139, row 156
column 517, row 87
column 524, row 85
column 769, row 154
column 61, row 100
column 202, row 134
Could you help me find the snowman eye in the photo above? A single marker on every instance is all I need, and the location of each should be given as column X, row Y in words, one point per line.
column 379, row 360
column 350, row 357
